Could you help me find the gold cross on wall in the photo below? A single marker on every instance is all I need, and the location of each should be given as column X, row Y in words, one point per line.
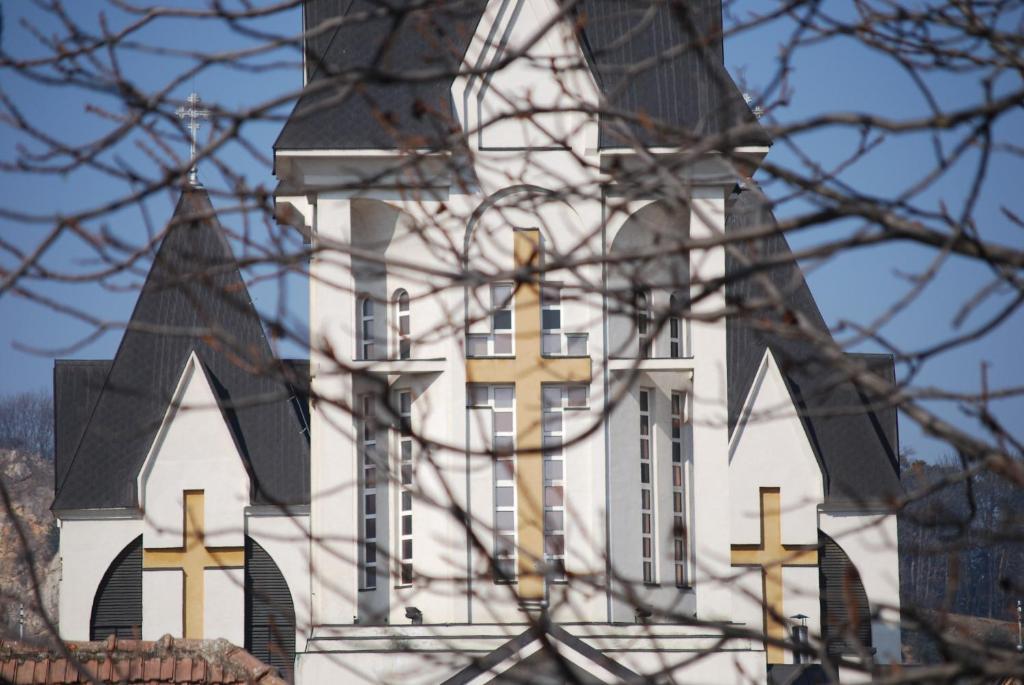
column 528, row 370
column 771, row 555
column 193, row 558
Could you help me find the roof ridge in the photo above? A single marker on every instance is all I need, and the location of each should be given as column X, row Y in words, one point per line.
column 172, row 225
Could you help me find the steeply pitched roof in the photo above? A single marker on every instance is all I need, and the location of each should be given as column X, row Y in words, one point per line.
column 194, row 298
column 662, row 62
column 857, row 443
column 76, row 387
column 376, row 114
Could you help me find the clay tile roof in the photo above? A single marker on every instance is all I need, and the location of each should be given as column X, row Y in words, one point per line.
column 134, row 662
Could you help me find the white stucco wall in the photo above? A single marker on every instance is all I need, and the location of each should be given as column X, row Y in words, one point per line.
column 87, row 547
column 224, row 604
column 194, row 450
column 162, row 614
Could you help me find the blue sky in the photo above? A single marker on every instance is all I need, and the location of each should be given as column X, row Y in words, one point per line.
column 839, row 75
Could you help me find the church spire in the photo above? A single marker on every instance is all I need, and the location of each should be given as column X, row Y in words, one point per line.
column 193, row 113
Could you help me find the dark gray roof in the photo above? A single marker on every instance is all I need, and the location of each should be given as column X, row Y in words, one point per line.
column 681, row 82
column 194, row 298
column 857, row 447
column 543, row 667
column 76, row 387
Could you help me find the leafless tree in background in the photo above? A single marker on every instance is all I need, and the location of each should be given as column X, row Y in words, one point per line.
column 136, row 158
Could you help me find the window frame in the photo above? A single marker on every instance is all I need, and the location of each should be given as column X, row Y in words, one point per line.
column 365, row 345
column 648, row 494
column 556, row 334
column 681, row 478
column 368, row 464
column 678, row 328
column 406, row 470
column 490, row 339
column 643, row 321
column 403, row 341
column 501, row 461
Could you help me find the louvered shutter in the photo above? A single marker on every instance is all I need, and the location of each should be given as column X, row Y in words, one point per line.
column 117, row 607
column 845, row 614
column 269, row 613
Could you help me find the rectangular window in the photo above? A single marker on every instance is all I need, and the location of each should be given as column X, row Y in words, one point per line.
column 368, row 450
column 499, row 341
column 554, row 399
column 646, row 398
column 405, row 450
column 366, row 330
column 501, row 318
column 680, row 482
column 678, row 328
column 501, row 400
column 642, row 304
column 551, row 319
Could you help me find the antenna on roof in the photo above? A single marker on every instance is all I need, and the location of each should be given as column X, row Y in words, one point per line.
column 193, row 113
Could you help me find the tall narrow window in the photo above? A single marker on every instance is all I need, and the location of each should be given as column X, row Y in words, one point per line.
column 366, row 332
column 679, row 480
column 501, row 318
column 405, row 491
column 501, row 400
column 554, row 481
column 369, row 483
column 646, row 489
column 643, row 322
column 677, row 339
column 551, row 319
column 402, row 329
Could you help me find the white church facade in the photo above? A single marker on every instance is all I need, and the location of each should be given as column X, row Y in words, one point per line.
column 533, row 422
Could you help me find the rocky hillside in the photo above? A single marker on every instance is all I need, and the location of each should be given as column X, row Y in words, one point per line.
column 28, row 481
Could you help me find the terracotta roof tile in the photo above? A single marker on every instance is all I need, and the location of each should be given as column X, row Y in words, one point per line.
column 134, row 662
column 152, row 670
column 183, row 670
column 24, row 673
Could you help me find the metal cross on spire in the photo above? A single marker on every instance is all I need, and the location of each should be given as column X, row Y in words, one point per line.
column 193, row 113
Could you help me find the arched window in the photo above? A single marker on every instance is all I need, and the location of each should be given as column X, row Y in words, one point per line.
column 402, row 328
column 845, row 613
column 366, row 332
column 642, row 302
column 678, row 338
column 117, row 607
column 269, row 611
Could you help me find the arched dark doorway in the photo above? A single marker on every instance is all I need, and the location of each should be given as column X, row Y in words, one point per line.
column 269, row 612
column 117, row 607
column 845, row 613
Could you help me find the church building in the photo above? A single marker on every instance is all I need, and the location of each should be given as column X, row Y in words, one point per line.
column 570, row 411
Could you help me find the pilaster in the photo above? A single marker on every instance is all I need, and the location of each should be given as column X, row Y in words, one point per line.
column 710, row 410
column 333, row 484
